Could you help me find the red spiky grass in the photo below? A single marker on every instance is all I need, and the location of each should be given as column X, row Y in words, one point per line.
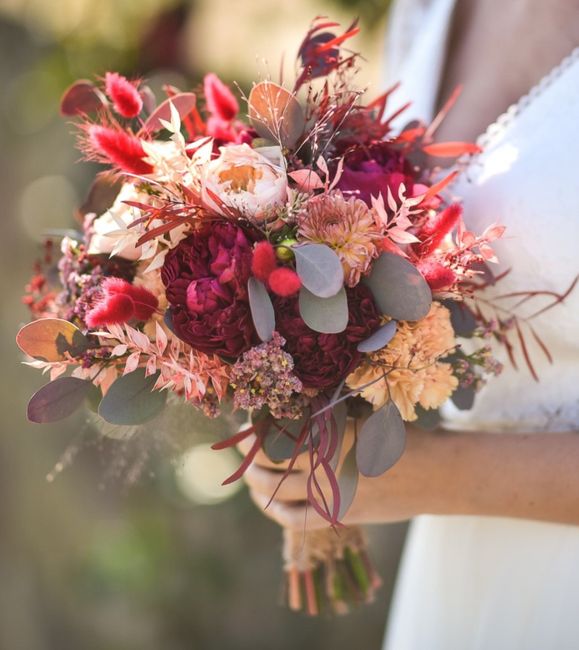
column 120, row 303
column 124, row 94
column 112, row 145
column 220, row 100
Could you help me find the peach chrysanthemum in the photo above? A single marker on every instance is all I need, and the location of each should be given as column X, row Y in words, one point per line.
column 418, row 376
column 347, row 226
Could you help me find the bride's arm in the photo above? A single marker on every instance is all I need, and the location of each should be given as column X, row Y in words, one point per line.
column 528, row 476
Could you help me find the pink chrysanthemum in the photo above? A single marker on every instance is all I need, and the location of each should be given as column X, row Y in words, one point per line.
column 347, row 226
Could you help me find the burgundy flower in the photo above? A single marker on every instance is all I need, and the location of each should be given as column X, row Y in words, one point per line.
column 371, row 170
column 206, row 277
column 323, row 360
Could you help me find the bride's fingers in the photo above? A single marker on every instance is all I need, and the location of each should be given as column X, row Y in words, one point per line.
column 296, row 515
column 266, row 482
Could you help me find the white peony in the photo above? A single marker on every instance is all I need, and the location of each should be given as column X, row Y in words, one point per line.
column 253, row 181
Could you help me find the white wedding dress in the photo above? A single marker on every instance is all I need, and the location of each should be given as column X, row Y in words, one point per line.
column 483, row 583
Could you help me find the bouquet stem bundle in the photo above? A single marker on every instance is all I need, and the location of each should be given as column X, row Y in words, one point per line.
column 328, row 571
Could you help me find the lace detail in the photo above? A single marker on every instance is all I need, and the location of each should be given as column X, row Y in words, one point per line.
column 497, row 128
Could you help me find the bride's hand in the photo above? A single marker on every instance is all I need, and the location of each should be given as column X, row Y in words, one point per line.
column 394, row 496
column 529, row 476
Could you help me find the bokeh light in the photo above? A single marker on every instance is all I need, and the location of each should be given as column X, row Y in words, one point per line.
column 200, row 471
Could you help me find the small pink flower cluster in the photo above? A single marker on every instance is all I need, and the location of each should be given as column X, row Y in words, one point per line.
column 263, row 376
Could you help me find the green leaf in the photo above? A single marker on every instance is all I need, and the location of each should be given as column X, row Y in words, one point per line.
column 319, row 269
column 463, row 398
column 340, row 415
column 58, row 399
column 132, row 400
column 381, row 441
column 399, row 289
column 461, row 318
column 278, row 445
column 261, row 308
column 325, row 315
column 427, row 419
column 348, row 481
column 380, row 339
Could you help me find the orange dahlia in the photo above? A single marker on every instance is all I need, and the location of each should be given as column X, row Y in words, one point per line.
column 347, row 226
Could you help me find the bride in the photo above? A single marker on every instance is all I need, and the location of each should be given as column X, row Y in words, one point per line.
column 492, row 558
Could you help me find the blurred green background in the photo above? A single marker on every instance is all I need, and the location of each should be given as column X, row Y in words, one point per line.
column 121, row 550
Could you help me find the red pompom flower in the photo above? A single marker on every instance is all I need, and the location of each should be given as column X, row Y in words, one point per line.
column 264, row 261
column 120, row 303
column 124, row 95
column 284, row 282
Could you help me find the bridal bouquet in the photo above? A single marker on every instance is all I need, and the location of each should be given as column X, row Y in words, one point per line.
column 300, row 265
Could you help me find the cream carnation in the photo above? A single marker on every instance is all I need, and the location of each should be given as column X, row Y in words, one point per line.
column 252, row 181
column 411, row 359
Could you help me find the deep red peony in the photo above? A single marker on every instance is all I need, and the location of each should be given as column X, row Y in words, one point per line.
column 206, row 277
column 323, row 360
column 371, row 170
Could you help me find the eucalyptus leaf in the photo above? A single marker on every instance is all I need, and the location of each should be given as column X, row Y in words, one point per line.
column 319, row 269
column 463, row 398
column 58, row 399
column 261, row 308
column 325, row 315
column 276, row 114
column 348, row 481
column 399, row 289
column 461, row 318
column 168, row 320
column 340, row 415
column 184, row 103
column 132, row 400
column 428, row 419
column 380, row 441
column 380, row 339
column 51, row 339
column 82, row 98
column 278, row 445
column 93, row 398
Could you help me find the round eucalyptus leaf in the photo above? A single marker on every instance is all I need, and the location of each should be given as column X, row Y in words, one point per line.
column 58, row 399
column 380, row 441
column 463, row 398
column 461, row 318
column 380, row 339
column 325, row 315
column 319, row 269
column 399, row 289
column 280, row 445
column 132, row 400
column 275, row 113
column 261, row 308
